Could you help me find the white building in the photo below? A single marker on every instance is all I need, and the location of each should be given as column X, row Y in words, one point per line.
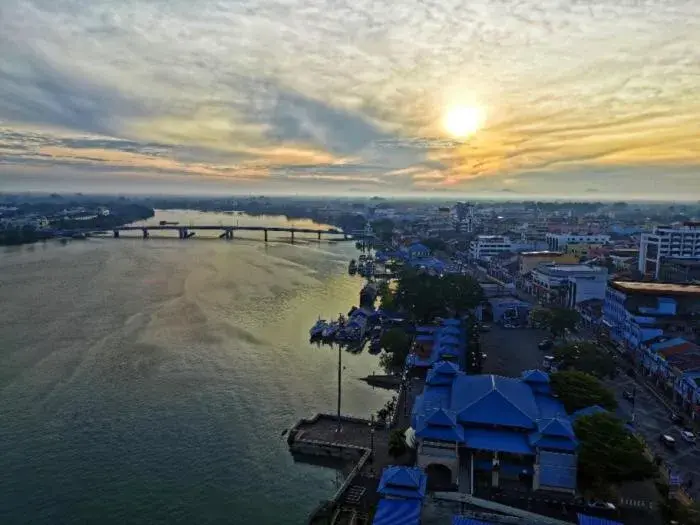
column 486, row 246
column 569, row 284
column 559, row 241
column 676, row 242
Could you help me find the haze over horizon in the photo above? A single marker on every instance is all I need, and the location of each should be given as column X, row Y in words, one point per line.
column 522, row 98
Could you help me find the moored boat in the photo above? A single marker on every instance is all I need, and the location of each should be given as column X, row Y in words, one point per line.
column 318, row 328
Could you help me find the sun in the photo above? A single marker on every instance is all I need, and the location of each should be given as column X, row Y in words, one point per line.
column 463, row 121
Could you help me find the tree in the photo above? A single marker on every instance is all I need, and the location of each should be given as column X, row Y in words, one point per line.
column 434, row 244
column 425, row 297
column 608, row 453
column 584, row 357
column 562, row 320
column 577, row 390
column 540, row 317
column 397, row 443
column 396, row 344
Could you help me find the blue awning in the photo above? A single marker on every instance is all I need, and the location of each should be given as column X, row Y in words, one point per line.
column 397, row 512
column 497, row 440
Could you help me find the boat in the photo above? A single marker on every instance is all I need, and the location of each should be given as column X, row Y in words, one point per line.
column 317, row 329
column 352, row 269
column 168, row 223
column 329, row 332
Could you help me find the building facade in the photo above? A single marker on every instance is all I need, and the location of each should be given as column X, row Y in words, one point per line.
column 486, row 246
column 491, row 428
column 637, row 312
column 568, row 284
column 669, row 242
column 561, row 241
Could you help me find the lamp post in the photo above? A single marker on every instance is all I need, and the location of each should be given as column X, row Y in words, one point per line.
column 371, row 439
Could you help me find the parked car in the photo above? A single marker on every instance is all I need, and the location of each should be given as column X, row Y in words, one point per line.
column 667, row 441
column 688, row 436
column 602, row 505
column 546, row 344
column 628, row 395
column 676, row 419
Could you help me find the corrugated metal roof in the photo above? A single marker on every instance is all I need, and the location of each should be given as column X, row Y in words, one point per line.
column 592, row 520
column 397, row 512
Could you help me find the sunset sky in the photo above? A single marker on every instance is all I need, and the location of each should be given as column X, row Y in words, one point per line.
column 576, row 98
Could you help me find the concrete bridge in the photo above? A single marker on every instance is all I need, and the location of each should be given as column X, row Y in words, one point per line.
column 227, row 232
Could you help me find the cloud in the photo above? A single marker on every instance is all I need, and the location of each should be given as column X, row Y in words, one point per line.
column 285, row 92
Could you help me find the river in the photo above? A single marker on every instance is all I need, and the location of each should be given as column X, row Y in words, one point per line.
column 149, row 381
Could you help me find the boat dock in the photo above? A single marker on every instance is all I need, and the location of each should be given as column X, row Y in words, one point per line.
column 360, row 442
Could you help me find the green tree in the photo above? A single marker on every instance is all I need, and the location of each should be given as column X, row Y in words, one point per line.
column 608, row 453
column 397, row 443
column 578, row 390
column 584, row 357
column 425, row 297
column 396, row 341
column 396, row 344
column 541, row 317
column 562, row 320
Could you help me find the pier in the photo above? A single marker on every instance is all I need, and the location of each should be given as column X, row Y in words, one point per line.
column 361, row 443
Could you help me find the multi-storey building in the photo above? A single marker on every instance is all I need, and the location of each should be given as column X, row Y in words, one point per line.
column 486, row 246
column 561, row 241
column 568, row 284
column 635, row 312
column 668, row 242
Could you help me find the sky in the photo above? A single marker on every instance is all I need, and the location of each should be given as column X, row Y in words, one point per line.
column 573, row 98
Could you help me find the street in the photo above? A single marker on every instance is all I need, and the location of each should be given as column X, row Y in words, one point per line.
column 509, row 351
column 651, row 419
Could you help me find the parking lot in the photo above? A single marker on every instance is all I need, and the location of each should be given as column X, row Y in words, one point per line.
column 509, row 351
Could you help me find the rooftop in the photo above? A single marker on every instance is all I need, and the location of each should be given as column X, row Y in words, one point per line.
column 548, row 268
column 656, row 288
column 541, row 254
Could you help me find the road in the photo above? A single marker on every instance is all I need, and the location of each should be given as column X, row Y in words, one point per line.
column 509, row 351
column 651, row 420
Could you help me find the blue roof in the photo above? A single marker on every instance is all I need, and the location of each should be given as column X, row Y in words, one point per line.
column 451, row 322
column 403, row 482
column 552, row 442
column 494, row 400
column 665, row 344
column 590, row 520
column 450, row 330
column 397, row 512
column 498, row 440
column 442, row 373
column 441, row 433
column 448, row 340
column 549, row 406
column 535, row 376
column 557, row 470
column 418, row 247
column 558, row 427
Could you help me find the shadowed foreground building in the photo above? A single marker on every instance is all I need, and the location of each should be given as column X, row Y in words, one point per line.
column 493, row 429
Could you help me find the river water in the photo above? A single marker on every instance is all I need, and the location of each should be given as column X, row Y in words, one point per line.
column 149, row 381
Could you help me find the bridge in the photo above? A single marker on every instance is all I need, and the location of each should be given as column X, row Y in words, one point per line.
column 227, row 232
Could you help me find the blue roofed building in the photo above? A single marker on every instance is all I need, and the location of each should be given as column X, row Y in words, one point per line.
column 495, row 429
column 402, row 490
column 416, row 251
column 431, row 344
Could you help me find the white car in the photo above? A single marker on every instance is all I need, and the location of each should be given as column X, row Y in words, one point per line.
column 688, row 436
column 603, row 505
